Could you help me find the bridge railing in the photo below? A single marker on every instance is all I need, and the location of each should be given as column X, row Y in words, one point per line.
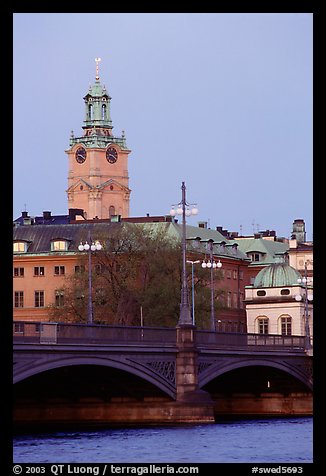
column 232, row 340
column 60, row 333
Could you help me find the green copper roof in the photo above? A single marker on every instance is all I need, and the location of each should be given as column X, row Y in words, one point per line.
column 269, row 250
column 97, row 90
column 276, row 274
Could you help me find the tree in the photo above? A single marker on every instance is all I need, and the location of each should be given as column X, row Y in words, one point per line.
column 137, row 271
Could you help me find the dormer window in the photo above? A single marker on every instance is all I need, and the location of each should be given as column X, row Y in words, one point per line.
column 59, row 245
column 254, row 256
column 20, row 247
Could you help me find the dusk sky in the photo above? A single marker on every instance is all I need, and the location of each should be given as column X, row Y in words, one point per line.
column 222, row 101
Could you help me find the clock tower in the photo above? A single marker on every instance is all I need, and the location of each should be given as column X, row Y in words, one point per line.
column 98, row 179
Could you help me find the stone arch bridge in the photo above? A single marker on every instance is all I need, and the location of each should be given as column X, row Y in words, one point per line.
column 183, row 363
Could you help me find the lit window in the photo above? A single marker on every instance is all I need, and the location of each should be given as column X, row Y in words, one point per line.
column 59, row 245
column 38, row 270
column 20, row 247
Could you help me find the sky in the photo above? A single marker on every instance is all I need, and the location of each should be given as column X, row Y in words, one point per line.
column 222, row 101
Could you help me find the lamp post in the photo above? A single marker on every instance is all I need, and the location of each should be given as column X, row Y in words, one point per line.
column 307, row 297
column 193, row 288
column 183, row 208
column 211, row 264
column 95, row 246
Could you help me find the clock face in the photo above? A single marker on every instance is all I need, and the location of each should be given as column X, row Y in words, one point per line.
column 80, row 155
column 111, row 155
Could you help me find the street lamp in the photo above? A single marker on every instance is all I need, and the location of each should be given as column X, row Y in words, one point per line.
column 307, row 297
column 193, row 289
column 185, row 209
column 211, row 264
column 95, row 246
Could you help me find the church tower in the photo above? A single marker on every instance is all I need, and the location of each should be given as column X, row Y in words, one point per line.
column 98, row 180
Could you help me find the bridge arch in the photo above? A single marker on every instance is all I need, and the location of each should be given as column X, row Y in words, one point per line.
column 22, row 372
column 219, row 368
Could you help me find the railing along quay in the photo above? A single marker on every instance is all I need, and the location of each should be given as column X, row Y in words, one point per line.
column 60, row 333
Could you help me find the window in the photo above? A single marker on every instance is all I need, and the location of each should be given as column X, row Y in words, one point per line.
column 254, row 256
column 285, row 292
column 59, row 245
column 235, row 274
column 229, row 298
column 98, row 269
column 59, row 270
column 38, row 270
column 111, row 211
column 241, row 300
column 235, row 300
column 90, row 112
column 228, row 274
column 80, row 268
column 103, row 111
column 59, row 297
column 261, row 293
column 19, row 299
column 286, row 325
column 20, row 247
column 101, row 296
column 19, row 272
column 39, row 298
column 263, row 325
column 240, row 274
column 18, row 328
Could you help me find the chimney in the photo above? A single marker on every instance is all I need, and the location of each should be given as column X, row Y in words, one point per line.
column 47, row 215
column 24, row 214
column 74, row 212
column 202, row 224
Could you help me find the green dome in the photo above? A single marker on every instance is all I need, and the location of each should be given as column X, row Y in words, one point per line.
column 276, row 274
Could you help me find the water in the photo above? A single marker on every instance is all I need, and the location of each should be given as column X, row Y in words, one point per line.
column 242, row 441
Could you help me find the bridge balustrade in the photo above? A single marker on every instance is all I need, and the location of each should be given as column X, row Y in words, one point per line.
column 232, row 340
column 84, row 334
column 60, row 333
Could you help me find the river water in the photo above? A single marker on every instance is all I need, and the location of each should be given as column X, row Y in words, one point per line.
column 283, row 440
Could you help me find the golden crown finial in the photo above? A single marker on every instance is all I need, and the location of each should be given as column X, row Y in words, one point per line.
column 97, row 60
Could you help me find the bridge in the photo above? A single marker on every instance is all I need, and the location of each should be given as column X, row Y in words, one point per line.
column 157, row 374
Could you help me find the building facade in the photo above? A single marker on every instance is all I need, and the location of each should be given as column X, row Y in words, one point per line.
column 279, row 302
column 45, row 255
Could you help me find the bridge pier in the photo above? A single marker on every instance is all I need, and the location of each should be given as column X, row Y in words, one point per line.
column 192, row 404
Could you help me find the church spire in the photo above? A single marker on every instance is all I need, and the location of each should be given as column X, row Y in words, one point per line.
column 97, row 60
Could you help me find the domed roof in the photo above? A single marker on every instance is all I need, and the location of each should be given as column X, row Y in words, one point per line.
column 277, row 274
